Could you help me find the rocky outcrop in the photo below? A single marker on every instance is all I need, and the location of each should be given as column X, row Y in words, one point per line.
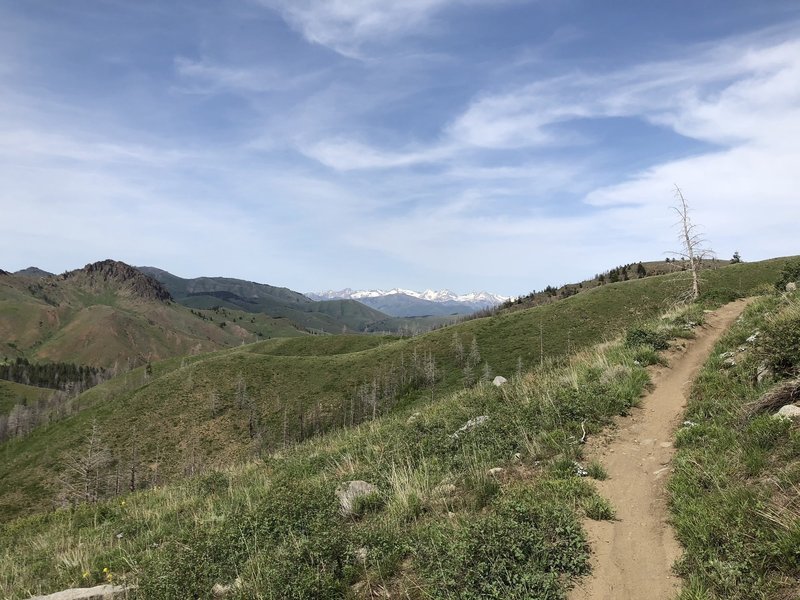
column 105, row 271
column 100, row 592
column 499, row 381
column 349, row 492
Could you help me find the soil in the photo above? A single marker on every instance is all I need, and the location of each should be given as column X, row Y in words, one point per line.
column 633, row 555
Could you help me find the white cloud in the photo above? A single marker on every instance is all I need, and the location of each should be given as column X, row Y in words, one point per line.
column 346, row 155
column 742, row 96
column 204, row 76
column 345, row 25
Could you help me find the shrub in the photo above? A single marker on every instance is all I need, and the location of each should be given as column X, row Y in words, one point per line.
column 598, row 509
column 643, row 336
column 212, row 483
column 780, row 340
column 790, row 272
column 596, row 471
column 720, row 296
column 365, row 504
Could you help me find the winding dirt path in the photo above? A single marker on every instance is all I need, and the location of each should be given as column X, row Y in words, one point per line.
column 633, row 556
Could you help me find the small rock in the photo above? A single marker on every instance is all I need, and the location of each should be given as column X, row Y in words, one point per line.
column 753, row 338
column 764, row 372
column 470, row 425
column 499, row 380
column 495, row 471
column 221, row 590
column 791, row 286
column 413, row 418
column 726, row 355
column 361, row 555
column 445, row 490
column 349, row 492
column 689, row 423
column 741, row 348
column 789, row 411
column 99, row 592
column 517, row 456
column 580, row 471
column 729, row 362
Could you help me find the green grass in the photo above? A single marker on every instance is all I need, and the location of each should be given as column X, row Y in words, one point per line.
column 440, row 526
column 229, row 406
column 735, row 494
column 12, row 393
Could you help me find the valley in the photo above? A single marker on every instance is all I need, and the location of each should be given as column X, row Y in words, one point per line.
column 250, row 429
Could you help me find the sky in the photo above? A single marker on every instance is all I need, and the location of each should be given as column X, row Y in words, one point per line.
column 498, row 145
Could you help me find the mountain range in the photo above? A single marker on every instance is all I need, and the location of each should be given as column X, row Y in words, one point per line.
column 315, row 314
column 399, row 302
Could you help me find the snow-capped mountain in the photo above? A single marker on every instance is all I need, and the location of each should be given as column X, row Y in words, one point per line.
column 399, row 302
column 484, row 298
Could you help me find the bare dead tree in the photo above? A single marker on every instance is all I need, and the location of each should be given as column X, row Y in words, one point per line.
column 430, row 371
column 458, row 348
column 693, row 244
column 85, row 470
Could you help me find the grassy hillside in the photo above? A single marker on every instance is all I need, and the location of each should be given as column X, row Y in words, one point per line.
column 401, row 305
column 326, row 316
column 102, row 315
column 457, row 511
column 12, row 393
column 334, row 316
column 230, row 405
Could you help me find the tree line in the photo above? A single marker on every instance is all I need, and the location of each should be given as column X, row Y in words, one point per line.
column 57, row 375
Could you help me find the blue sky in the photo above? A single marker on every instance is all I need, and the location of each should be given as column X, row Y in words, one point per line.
column 469, row 144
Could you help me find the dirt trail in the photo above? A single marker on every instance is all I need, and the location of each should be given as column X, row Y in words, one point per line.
column 633, row 556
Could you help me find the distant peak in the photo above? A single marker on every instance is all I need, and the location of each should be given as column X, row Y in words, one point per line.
column 141, row 284
column 445, row 295
column 34, row 272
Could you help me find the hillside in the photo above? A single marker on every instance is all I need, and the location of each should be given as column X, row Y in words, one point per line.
column 402, row 305
column 626, row 272
column 105, row 314
column 332, row 316
column 12, row 393
column 226, row 406
column 478, row 494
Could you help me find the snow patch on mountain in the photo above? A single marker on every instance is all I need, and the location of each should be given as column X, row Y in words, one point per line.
column 472, row 298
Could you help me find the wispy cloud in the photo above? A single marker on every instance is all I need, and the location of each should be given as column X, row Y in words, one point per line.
column 230, row 145
column 204, row 76
column 346, row 25
column 346, row 155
